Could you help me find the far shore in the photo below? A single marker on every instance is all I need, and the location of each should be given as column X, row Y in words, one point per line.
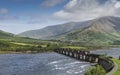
column 27, row 52
column 35, row 52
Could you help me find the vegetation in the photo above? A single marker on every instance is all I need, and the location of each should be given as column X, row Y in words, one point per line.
column 10, row 43
column 16, row 47
column 75, row 47
column 96, row 70
column 118, row 62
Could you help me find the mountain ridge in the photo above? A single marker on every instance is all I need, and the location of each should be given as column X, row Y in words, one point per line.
column 53, row 30
column 104, row 29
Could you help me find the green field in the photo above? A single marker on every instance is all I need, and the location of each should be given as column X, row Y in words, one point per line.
column 75, row 47
column 25, row 46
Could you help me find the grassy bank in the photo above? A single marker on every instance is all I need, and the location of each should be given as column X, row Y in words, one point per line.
column 86, row 47
column 118, row 62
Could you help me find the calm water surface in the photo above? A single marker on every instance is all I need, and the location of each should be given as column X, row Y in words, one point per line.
column 46, row 63
column 114, row 52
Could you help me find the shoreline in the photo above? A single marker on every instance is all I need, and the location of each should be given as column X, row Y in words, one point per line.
column 28, row 52
column 35, row 52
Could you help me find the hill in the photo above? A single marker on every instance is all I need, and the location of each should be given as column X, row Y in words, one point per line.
column 100, row 31
column 9, row 37
column 55, row 30
column 4, row 34
column 10, row 43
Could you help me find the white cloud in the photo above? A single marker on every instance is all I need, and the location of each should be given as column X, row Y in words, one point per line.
column 117, row 5
column 51, row 3
column 78, row 10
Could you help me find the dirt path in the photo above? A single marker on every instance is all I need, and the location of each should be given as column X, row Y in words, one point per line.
column 113, row 70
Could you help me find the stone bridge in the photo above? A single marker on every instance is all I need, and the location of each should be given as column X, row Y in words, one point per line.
column 106, row 63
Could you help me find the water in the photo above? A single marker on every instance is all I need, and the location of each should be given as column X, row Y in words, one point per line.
column 40, row 64
column 46, row 63
column 114, row 52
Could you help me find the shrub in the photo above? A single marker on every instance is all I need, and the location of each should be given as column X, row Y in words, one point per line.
column 96, row 70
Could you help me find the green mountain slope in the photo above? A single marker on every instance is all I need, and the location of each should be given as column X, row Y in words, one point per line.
column 101, row 31
column 5, row 34
column 9, row 37
column 55, row 30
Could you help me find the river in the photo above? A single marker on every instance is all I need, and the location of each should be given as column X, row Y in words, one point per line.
column 46, row 63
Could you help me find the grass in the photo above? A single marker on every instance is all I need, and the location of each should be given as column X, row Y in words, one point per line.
column 114, row 45
column 6, row 52
column 74, row 47
column 44, row 46
column 118, row 62
column 27, row 44
column 21, row 43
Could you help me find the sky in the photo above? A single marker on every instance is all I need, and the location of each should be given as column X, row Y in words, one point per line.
column 17, row 16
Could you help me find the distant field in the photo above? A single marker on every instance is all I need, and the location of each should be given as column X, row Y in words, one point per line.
column 27, row 44
column 21, row 43
column 74, row 47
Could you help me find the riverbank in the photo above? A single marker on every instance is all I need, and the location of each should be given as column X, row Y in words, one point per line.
column 117, row 61
column 37, row 49
column 27, row 52
column 114, row 69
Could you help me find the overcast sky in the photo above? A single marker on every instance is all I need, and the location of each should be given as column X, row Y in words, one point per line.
column 20, row 15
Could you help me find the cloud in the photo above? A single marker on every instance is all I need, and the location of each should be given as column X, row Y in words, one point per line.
column 8, row 17
column 3, row 11
column 5, row 15
column 117, row 5
column 51, row 3
column 0, row 25
column 33, row 22
column 78, row 10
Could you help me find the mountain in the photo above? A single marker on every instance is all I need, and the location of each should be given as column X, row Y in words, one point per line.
column 103, row 30
column 9, row 37
column 100, row 31
column 4, row 34
column 52, row 31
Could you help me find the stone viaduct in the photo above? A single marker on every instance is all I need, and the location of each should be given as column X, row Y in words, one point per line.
column 106, row 63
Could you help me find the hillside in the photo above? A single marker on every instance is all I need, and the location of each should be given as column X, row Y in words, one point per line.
column 4, row 34
column 103, row 30
column 9, row 37
column 55, row 30
column 10, row 43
